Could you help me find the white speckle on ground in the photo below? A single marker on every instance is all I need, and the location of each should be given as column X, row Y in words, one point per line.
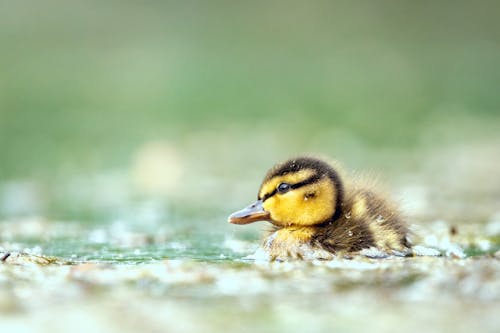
column 483, row 244
column 373, row 252
column 419, row 250
column 260, row 255
column 455, row 251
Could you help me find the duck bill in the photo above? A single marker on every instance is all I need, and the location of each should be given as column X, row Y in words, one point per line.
column 253, row 213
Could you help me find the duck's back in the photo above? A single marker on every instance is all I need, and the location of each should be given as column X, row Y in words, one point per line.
column 367, row 220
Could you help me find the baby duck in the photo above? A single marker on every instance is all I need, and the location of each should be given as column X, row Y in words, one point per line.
column 316, row 213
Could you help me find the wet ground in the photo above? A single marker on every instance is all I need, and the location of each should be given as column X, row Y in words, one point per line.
column 129, row 263
column 121, row 281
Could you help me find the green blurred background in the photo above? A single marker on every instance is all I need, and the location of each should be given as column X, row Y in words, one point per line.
column 107, row 103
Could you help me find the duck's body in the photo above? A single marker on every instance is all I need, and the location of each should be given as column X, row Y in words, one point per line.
column 316, row 213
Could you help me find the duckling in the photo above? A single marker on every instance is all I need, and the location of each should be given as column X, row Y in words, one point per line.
column 316, row 212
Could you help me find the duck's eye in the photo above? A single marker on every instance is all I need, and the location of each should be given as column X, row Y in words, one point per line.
column 283, row 187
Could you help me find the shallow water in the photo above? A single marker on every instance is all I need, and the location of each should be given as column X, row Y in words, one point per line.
column 118, row 279
column 176, row 265
column 129, row 255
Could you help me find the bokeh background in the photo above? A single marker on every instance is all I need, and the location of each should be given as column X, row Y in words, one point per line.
column 129, row 130
column 106, row 103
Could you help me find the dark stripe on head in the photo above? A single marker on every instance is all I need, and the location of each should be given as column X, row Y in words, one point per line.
column 268, row 195
column 311, row 180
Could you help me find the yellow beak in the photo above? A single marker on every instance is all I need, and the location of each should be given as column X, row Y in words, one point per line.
column 253, row 213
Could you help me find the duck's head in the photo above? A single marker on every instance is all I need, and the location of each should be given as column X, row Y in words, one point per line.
column 302, row 191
